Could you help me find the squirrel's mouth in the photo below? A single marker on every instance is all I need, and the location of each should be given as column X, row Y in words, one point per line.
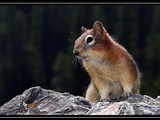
column 80, row 57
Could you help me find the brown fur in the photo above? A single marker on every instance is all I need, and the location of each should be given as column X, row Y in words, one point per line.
column 113, row 71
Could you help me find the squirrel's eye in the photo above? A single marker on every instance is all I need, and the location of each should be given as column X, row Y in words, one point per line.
column 89, row 40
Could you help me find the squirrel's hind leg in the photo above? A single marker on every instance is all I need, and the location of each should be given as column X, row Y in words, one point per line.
column 92, row 94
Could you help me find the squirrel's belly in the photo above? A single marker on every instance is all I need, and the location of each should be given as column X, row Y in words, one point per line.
column 106, row 75
column 116, row 90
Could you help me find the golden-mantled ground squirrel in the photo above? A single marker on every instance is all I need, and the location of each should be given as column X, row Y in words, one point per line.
column 113, row 72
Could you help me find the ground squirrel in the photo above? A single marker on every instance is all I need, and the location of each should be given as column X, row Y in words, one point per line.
column 113, row 72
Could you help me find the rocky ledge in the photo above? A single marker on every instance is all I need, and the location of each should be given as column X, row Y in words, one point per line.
column 39, row 101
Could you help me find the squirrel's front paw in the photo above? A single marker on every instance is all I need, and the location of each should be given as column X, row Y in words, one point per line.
column 125, row 95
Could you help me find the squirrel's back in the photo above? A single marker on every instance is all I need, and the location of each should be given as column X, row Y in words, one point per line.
column 113, row 72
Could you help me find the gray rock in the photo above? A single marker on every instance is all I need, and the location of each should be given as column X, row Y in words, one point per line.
column 135, row 105
column 38, row 101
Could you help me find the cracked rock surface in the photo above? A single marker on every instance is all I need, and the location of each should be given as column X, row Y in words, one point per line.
column 39, row 101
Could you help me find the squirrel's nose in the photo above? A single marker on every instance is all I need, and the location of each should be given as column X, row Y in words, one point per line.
column 75, row 52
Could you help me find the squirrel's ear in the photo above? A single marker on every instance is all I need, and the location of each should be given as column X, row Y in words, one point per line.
column 83, row 29
column 98, row 27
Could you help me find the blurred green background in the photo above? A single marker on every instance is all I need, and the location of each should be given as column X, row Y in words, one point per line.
column 36, row 43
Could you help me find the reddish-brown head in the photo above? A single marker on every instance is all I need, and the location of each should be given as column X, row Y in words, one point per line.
column 91, row 42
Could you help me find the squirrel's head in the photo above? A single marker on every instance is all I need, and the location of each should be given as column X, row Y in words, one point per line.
column 92, row 42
